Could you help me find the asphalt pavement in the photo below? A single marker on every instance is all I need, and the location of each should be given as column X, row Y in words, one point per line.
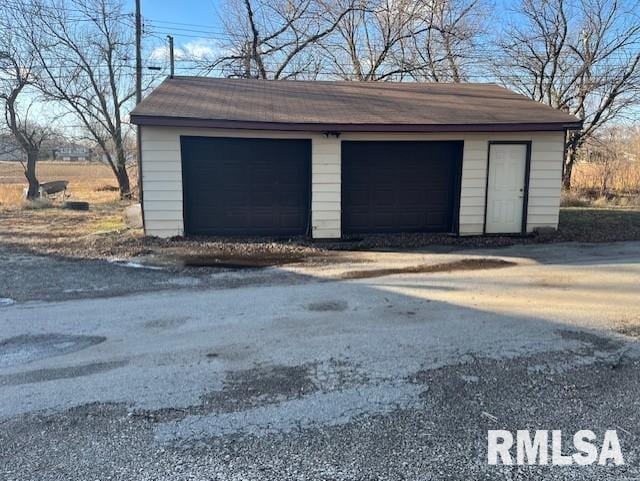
column 289, row 373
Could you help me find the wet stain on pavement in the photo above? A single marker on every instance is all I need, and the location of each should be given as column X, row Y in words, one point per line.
column 328, row 306
column 28, row 348
column 240, row 260
column 462, row 265
column 42, row 375
column 170, row 323
column 600, row 343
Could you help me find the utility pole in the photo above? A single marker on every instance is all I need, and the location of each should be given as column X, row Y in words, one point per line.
column 138, row 53
column 171, row 63
column 138, row 100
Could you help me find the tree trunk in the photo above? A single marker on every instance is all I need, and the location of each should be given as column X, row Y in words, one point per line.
column 569, row 160
column 122, row 176
column 123, row 180
column 30, row 174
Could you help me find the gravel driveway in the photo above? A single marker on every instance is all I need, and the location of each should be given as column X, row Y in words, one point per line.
column 391, row 377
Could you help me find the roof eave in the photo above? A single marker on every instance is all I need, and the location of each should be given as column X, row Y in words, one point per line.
column 156, row 120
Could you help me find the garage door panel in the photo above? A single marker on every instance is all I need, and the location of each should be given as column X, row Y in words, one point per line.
column 359, row 196
column 380, row 197
column 400, row 186
column 411, row 197
column 291, row 218
column 238, row 186
column 262, row 219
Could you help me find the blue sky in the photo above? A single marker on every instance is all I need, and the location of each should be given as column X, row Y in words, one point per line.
column 194, row 24
column 205, row 12
column 185, row 11
column 197, row 30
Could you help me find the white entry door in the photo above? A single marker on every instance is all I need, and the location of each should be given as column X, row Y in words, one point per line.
column 505, row 188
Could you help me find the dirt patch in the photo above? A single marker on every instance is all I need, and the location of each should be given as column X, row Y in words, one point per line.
column 462, row 265
column 107, row 188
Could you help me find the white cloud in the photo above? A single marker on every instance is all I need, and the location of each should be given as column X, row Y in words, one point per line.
column 159, row 53
column 194, row 50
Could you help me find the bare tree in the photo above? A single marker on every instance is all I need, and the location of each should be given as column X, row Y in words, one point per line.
column 84, row 61
column 349, row 39
column 277, row 39
column 17, row 60
column 581, row 57
column 405, row 39
column 449, row 50
column 370, row 43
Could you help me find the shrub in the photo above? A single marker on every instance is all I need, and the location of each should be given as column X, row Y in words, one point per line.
column 571, row 198
column 602, row 201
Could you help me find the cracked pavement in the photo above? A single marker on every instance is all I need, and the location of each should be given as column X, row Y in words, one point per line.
column 293, row 376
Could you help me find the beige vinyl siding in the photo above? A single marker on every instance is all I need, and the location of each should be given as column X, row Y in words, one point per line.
column 545, row 180
column 472, row 190
column 162, row 176
column 325, row 187
column 162, row 181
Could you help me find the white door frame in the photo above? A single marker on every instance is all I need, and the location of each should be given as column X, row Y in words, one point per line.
column 527, row 171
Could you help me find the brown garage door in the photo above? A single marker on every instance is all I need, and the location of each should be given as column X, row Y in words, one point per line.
column 400, row 186
column 234, row 186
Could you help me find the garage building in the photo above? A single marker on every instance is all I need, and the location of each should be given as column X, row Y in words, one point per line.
column 239, row 157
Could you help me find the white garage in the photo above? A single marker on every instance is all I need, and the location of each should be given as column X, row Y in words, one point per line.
column 238, row 157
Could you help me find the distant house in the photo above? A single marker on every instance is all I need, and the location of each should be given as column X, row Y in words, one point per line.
column 49, row 150
column 71, row 152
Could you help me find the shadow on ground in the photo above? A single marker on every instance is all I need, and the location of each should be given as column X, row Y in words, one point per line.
column 324, row 380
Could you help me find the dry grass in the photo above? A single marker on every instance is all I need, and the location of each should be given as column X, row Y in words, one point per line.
column 592, row 177
column 91, row 182
column 45, row 227
column 85, row 181
column 604, row 185
column 572, row 198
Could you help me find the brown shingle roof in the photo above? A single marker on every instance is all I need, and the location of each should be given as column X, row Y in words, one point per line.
column 343, row 106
